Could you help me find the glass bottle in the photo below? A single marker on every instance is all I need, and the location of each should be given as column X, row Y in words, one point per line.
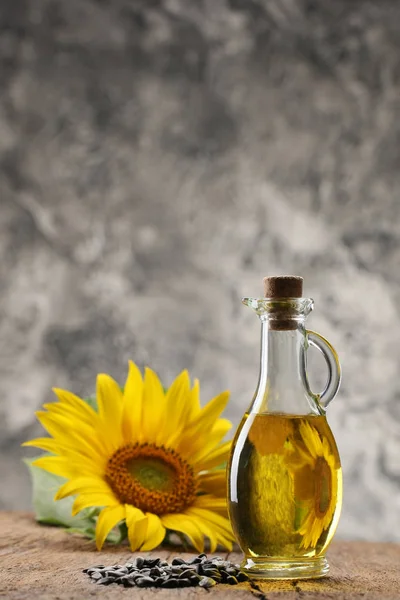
column 284, row 475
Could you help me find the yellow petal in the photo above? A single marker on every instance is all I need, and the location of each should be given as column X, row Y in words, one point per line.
column 218, row 522
column 203, row 445
column 88, row 424
column 214, row 408
column 58, row 465
column 95, row 499
column 155, row 533
column 215, row 458
column 153, row 406
column 71, row 432
column 186, row 525
column 208, row 531
column 203, row 424
column 214, row 483
column 224, row 541
column 311, row 439
column 107, row 520
column 209, row 502
column 85, row 485
column 110, row 403
column 132, row 409
column 47, row 443
column 194, row 405
column 136, row 522
column 177, row 408
column 67, row 398
column 71, row 453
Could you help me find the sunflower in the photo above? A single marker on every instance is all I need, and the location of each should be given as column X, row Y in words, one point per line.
column 146, row 457
column 316, row 482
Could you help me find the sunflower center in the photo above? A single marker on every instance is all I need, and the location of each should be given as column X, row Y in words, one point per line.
column 152, row 478
column 152, row 473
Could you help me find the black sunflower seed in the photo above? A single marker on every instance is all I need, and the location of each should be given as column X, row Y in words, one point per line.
column 144, row 582
column 184, row 574
column 139, row 562
column 127, row 582
column 211, row 573
column 242, row 576
column 105, row 581
column 206, row 582
column 195, row 561
column 170, row 583
column 231, row 580
column 231, row 570
column 152, row 562
column 177, row 561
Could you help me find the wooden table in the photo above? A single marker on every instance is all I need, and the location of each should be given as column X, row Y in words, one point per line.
column 43, row 563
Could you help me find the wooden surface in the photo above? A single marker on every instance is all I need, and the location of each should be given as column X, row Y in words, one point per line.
column 43, row 563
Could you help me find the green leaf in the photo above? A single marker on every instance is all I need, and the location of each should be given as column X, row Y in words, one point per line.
column 220, row 467
column 91, row 400
column 59, row 512
column 49, row 511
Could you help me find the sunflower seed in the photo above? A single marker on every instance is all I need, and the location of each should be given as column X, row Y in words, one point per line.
column 127, row 582
column 105, row 581
column 206, row 582
column 146, row 572
column 170, row 583
column 211, row 573
column 144, row 582
column 152, row 562
column 137, row 575
column 184, row 574
column 139, row 562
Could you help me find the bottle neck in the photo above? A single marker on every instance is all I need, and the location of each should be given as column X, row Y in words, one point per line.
column 280, row 387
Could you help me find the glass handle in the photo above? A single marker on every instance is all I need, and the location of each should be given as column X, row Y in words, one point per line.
column 334, row 370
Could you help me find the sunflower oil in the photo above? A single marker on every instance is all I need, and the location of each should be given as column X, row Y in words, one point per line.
column 285, row 486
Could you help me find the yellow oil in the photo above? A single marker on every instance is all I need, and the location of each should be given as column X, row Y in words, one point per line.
column 285, row 486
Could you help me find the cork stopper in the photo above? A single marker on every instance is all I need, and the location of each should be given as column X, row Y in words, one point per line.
column 289, row 286
column 283, row 288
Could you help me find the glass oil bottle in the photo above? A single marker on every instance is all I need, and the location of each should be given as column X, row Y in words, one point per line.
column 284, row 474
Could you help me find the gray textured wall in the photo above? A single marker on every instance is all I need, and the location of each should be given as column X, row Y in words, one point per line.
column 157, row 158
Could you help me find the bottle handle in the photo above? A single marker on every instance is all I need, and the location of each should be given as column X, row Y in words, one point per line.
column 334, row 369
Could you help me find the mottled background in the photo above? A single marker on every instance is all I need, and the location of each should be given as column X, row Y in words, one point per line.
column 157, row 158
